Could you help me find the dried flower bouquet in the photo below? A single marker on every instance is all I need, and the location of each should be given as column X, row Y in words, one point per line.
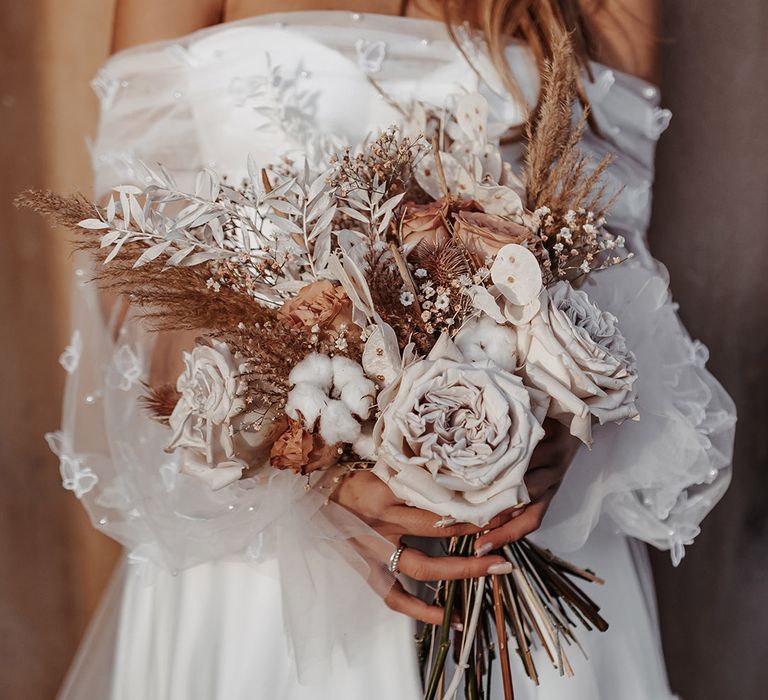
column 413, row 310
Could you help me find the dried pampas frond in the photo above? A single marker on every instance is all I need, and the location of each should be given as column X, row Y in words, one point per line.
column 65, row 211
column 169, row 297
column 160, row 401
column 558, row 174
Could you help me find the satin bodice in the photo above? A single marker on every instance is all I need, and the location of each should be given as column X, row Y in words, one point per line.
column 303, row 84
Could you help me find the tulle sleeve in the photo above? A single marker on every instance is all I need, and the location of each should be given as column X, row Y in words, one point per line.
column 113, row 456
column 657, row 478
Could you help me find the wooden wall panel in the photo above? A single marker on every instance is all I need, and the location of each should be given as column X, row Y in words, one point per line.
column 710, row 227
column 53, row 565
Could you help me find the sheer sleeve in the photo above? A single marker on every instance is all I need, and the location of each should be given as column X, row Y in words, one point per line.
column 657, row 478
column 113, row 456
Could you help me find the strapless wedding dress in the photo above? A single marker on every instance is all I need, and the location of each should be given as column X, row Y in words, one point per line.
column 219, row 600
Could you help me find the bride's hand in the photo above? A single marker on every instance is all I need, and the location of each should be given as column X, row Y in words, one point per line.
column 371, row 500
column 549, row 463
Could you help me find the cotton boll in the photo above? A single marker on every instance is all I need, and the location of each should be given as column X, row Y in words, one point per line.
column 314, row 369
column 337, row 424
column 345, row 371
column 482, row 339
column 358, row 395
column 307, row 400
column 365, row 447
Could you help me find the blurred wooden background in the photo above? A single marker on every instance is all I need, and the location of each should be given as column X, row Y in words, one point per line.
column 709, row 228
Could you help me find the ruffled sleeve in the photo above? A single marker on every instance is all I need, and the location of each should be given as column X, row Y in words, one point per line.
column 657, row 478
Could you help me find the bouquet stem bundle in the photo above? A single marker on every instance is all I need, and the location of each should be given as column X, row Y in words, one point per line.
column 538, row 605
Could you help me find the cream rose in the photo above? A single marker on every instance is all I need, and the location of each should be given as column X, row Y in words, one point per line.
column 426, row 222
column 456, row 438
column 320, row 304
column 575, row 352
column 484, row 234
column 211, row 396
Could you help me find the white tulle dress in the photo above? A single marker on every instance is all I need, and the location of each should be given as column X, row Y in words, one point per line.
column 233, row 595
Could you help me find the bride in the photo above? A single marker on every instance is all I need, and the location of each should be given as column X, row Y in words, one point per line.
column 216, row 600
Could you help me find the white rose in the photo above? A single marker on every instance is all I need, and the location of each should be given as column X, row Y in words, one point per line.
column 214, row 467
column 456, row 438
column 211, row 396
column 575, row 352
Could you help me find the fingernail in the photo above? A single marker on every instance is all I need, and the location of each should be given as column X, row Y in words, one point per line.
column 503, row 568
column 483, row 549
column 457, row 627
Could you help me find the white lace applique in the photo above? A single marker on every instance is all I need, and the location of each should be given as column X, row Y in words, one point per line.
column 683, row 534
column 370, row 55
column 74, row 476
column 658, row 121
column 604, row 84
column 125, row 370
column 114, row 496
column 105, row 87
column 123, row 163
column 169, row 472
column 70, row 358
column 256, row 547
column 289, row 108
column 144, row 563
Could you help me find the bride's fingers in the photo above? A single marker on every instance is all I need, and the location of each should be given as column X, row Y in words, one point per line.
column 397, row 599
column 526, row 523
column 422, row 567
column 539, row 481
column 415, row 521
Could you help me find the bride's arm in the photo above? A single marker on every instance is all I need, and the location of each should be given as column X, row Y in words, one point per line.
column 140, row 22
column 144, row 21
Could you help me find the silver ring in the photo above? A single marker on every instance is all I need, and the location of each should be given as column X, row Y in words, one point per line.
column 394, row 560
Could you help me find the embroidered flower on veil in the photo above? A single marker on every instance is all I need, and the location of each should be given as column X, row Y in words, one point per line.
column 75, row 476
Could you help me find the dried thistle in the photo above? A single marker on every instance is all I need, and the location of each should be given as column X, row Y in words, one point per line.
column 444, row 262
column 392, row 301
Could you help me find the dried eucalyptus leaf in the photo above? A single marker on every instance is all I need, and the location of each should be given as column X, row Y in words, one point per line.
column 128, row 189
column 284, row 207
column 151, row 253
column 286, row 225
column 93, row 224
column 179, row 255
column 354, row 214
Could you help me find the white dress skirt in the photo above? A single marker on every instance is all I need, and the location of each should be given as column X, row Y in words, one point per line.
column 229, row 596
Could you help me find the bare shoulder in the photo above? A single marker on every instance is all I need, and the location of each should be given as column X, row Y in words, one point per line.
column 143, row 21
column 626, row 34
